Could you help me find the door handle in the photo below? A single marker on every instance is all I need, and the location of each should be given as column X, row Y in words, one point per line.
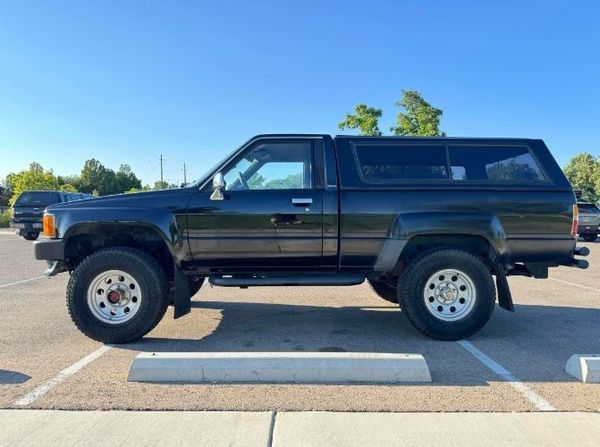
column 302, row 201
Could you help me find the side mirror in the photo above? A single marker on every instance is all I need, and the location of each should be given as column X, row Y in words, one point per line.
column 218, row 187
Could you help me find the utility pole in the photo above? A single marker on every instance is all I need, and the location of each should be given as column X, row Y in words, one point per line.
column 161, row 171
column 184, row 175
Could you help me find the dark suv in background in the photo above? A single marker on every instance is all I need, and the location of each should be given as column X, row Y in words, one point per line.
column 589, row 220
column 29, row 208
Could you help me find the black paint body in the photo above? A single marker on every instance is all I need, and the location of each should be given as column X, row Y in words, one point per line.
column 349, row 227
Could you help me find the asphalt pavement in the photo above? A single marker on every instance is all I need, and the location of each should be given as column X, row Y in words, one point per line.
column 516, row 363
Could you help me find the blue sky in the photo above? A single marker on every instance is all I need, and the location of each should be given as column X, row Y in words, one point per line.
column 125, row 81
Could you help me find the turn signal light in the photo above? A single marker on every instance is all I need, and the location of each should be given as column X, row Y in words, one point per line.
column 575, row 225
column 48, row 227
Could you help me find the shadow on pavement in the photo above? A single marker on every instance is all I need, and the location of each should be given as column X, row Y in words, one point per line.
column 534, row 343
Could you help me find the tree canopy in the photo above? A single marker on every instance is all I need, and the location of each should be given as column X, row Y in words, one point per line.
column 417, row 118
column 34, row 177
column 583, row 171
column 364, row 118
column 95, row 178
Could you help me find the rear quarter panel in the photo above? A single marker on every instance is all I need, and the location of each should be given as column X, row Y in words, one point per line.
column 530, row 223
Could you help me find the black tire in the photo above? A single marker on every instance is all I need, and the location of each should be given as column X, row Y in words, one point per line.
column 31, row 236
column 590, row 237
column 151, row 280
column 194, row 285
column 413, row 283
column 384, row 290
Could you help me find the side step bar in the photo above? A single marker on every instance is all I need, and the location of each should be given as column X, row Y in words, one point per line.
column 287, row 280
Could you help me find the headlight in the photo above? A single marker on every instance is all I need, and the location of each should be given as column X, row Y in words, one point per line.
column 48, row 228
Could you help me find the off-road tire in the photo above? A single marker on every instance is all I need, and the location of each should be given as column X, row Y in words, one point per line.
column 152, row 283
column 412, row 284
column 384, row 290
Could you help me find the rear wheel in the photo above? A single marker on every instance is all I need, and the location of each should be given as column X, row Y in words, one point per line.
column 447, row 294
column 384, row 290
column 117, row 295
column 590, row 237
column 32, row 236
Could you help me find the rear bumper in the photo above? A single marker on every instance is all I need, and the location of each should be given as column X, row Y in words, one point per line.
column 27, row 227
column 49, row 249
column 587, row 229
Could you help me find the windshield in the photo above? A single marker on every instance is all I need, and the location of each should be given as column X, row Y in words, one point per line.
column 211, row 171
column 37, row 198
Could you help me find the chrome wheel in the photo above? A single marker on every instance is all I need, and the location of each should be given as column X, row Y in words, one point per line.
column 450, row 295
column 114, row 297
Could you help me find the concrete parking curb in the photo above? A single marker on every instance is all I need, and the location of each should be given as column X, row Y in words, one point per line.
column 279, row 367
column 585, row 367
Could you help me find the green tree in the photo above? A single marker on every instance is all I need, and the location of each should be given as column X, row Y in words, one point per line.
column 257, row 181
column 365, row 119
column 126, row 179
column 419, row 117
column 35, row 177
column 512, row 170
column 141, row 189
column 96, row 177
column 66, row 182
column 292, row 181
column 67, row 187
column 164, row 185
column 4, row 195
column 583, row 171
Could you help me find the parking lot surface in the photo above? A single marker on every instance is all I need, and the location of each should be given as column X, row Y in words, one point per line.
column 516, row 363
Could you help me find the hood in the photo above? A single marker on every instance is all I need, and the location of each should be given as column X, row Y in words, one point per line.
column 149, row 199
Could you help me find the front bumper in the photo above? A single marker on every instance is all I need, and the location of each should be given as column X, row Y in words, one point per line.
column 53, row 252
column 49, row 249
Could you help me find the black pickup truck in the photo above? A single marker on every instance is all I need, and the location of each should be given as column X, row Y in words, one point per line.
column 429, row 222
column 29, row 207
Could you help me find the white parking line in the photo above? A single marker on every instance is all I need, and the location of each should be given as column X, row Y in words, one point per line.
column 538, row 401
column 574, row 284
column 38, row 392
column 20, row 282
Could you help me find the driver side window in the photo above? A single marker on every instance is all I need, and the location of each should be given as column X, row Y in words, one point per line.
column 272, row 165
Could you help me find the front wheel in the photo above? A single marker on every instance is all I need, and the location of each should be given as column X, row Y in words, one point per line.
column 589, row 237
column 117, row 295
column 447, row 294
column 31, row 236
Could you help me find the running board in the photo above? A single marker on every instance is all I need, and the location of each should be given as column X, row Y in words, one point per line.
column 287, row 280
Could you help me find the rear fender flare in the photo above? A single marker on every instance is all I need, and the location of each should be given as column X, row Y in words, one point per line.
column 407, row 226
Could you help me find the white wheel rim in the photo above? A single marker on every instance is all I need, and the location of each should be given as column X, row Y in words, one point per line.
column 114, row 297
column 450, row 295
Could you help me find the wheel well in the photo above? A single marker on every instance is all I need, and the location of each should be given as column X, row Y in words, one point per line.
column 87, row 240
column 477, row 245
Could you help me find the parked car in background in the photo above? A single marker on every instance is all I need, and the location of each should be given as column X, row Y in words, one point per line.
column 589, row 220
column 29, row 208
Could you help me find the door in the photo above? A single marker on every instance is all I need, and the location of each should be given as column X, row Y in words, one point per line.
column 271, row 215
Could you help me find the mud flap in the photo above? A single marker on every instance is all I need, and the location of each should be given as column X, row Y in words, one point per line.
column 183, row 300
column 504, row 296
